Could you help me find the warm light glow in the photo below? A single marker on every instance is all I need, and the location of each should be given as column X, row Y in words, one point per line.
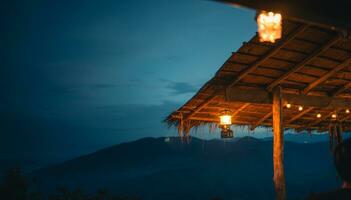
column 334, row 116
column 319, row 115
column 288, row 105
column 225, row 120
column 300, row 108
column 269, row 26
column 347, row 111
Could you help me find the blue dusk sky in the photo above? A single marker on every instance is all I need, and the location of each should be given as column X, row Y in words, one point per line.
column 80, row 75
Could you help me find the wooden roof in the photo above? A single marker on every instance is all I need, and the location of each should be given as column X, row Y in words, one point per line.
column 311, row 64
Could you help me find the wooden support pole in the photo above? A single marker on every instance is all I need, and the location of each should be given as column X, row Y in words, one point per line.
column 278, row 145
column 299, row 115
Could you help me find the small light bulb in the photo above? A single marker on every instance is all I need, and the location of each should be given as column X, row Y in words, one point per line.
column 347, row 111
column 334, row 116
column 300, row 108
column 319, row 115
column 288, row 105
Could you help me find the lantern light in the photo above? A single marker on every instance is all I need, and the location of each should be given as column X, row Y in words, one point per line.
column 319, row 115
column 225, row 120
column 300, row 108
column 333, row 116
column 347, row 111
column 269, row 26
column 288, row 105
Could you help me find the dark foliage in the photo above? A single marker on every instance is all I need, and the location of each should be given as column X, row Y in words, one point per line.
column 15, row 187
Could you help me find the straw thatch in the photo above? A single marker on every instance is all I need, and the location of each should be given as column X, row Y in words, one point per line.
column 309, row 60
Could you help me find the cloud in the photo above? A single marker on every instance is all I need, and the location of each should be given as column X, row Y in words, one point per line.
column 103, row 86
column 179, row 88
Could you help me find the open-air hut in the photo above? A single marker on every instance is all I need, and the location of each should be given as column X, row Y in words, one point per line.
column 300, row 82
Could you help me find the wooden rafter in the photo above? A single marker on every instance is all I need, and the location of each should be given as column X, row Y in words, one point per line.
column 216, row 120
column 208, row 119
column 341, row 89
column 213, row 119
column 265, row 57
column 241, row 83
column 260, row 121
column 261, row 96
column 240, row 109
column 299, row 115
column 320, row 119
column 297, row 67
column 330, row 73
column 345, row 118
column 198, row 108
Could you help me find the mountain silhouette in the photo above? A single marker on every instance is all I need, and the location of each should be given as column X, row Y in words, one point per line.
column 169, row 168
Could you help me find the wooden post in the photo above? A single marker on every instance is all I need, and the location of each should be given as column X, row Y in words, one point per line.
column 278, row 145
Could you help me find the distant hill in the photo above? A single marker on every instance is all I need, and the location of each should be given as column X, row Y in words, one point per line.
column 202, row 169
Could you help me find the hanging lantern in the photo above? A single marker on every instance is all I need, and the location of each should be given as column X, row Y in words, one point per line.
column 226, row 132
column 347, row 111
column 269, row 26
column 333, row 116
column 319, row 115
column 288, row 105
column 300, row 108
column 225, row 120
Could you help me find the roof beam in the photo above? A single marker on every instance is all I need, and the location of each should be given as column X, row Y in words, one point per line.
column 297, row 67
column 345, row 118
column 342, row 89
column 213, row 119
column 321, row 119
column 201, row 106
column 270, row 53
column 261, row 96
column 240, row 109
column 339, row 67
column 299, row 115
column 266, row 116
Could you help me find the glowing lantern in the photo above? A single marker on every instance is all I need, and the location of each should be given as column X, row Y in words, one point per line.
column 347, row 111
column 288, row 105
column 333, row 116
column 319, row 115
column 225, row 120
column 300, row 108
column 269, row 26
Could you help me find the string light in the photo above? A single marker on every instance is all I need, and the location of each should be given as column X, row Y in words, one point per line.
column 319, row 115
column 300, row 108
column 288, row 105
